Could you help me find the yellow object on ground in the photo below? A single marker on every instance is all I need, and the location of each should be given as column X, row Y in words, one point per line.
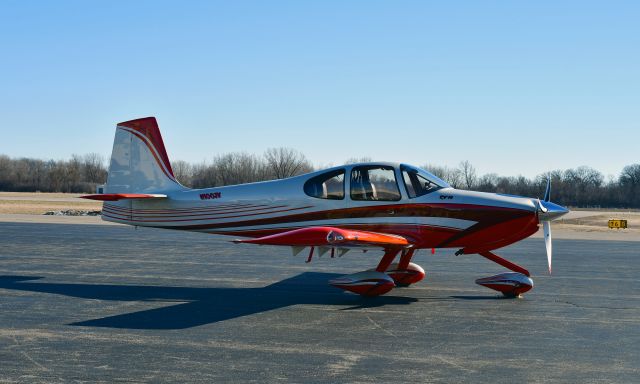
column 617, row 224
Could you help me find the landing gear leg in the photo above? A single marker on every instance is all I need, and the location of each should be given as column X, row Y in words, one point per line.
column 389, row 256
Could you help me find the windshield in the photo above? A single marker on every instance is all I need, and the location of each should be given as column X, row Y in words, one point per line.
column 420, row 182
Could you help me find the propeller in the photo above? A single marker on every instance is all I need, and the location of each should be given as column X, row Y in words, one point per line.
column 548, row 211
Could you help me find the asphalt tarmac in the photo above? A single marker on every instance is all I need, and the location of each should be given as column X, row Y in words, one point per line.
column 95, row 303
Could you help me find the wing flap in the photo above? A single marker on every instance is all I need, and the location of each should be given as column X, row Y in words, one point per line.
column 122, row 196
column 329, row 236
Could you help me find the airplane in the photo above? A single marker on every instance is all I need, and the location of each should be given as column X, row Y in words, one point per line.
column 393, row 207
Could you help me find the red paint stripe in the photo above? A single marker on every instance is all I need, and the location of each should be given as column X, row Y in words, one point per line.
column 214, row 217
column 388, row 228
column 163, row 216
column 471, row 212
column 187, row 210
column 115, row 216
column 160, row 219
column 415, row 210
column 227, row 209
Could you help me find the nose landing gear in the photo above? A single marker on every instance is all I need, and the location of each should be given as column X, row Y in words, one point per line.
column 510, row 284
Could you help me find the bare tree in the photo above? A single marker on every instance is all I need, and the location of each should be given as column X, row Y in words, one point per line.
column 630, row 175
column 183, row 172
column 450, row 175
column 6, row 170
column 488, row 182
column 286, row 162
column 468, row 174
column 238, row 168
column 94, row 170
column 203, row 175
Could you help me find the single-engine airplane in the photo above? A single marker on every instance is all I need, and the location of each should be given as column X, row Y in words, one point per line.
column 394, row 207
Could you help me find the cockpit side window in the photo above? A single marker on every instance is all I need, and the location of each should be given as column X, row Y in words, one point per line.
column 417, row 184
column 328, row 185
column 374, row 182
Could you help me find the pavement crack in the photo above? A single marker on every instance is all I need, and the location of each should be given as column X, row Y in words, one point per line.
column 28, row 357
column 375, row 324
column 455, row 365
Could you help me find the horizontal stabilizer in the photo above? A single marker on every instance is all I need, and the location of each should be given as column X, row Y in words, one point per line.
column 122, row 196
column 323, row 236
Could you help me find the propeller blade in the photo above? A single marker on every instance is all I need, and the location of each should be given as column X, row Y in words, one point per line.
column 546, row 227
column 547, row 192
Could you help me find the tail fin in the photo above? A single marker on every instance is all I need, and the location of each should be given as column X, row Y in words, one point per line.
column 139, row 161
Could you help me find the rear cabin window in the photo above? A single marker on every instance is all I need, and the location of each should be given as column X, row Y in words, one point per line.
column 374, row 182
column 329, row 185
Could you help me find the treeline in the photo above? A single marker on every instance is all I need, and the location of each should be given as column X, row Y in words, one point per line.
column 578, row 187
column 583, row 187
column 240, row 167
column 78, row 175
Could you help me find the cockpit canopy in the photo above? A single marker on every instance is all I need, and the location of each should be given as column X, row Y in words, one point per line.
column 376, row 182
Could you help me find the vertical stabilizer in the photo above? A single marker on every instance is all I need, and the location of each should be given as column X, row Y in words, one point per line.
column 139, row 161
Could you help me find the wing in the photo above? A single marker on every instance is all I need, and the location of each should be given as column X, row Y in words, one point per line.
column 330, row 237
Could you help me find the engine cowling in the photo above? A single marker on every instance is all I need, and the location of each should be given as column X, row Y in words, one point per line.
column 510, row 284
column 366, row 283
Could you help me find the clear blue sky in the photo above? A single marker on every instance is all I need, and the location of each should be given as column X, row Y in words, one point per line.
column 515, row 87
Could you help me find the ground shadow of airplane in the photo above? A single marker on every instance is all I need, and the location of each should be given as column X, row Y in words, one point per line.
column 199, row 306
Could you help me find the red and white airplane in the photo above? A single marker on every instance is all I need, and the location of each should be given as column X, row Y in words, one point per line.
column 394, row 207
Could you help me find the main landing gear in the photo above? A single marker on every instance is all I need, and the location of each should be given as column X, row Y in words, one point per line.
column 389, row 275
column 385, row 277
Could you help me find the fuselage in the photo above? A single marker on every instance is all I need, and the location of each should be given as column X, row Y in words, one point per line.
column 443, row 217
